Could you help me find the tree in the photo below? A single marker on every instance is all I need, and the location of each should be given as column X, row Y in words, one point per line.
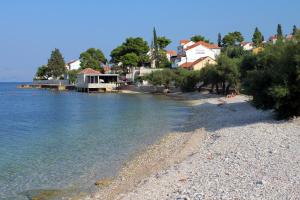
column 257, row 38
column 163, row 42
column 161, row 78
column 219, row 40
column 232, row 39
column 131, row 45
column 279, row 32
column 197, row 38
column 92, row 58
column 129, row 60
column 274, row 82
column 42, row 72
column 56, row 64
column 294, row 30
column 72, row 74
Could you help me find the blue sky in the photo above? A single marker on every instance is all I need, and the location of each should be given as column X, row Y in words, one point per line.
column 31, row 29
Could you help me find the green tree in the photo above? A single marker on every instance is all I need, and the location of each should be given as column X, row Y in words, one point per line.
column 161, row 78
column 294, row 30
column 163, row 42
column 129, row 60
column 219, row 40
column 197, row 38
column 132, row 45
column 279, row 32
column 92, row 58
column 56, row 64
column 274, row 82
column 72, row 74
column 232, row 39
column 257, row 38
column 42, row 72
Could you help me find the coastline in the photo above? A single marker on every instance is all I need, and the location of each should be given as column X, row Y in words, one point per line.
column 163, row 170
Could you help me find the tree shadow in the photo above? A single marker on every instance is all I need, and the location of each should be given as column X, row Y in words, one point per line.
column 212, row 117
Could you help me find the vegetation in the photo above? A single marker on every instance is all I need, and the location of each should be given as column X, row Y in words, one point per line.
column 279, row 32
column 92, row 58
column 158, row 52
column 133, row 52
column 274, row 78
column 72, row 74
column 42, row 73
column 257, row 38
column 56, row 64
column 197, row 38
column 219, row 40
column 232, row 39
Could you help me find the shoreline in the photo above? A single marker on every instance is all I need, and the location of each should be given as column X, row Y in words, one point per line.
column 150, row 168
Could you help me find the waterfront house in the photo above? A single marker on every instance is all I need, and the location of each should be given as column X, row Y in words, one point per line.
column 73, row 65
column 190, row 52
column 198, row 64
column 90, row 80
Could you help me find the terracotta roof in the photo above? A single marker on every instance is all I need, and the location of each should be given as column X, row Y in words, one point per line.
column 171, row 52
column 89, row 71
column 184, row 41
column 106, row 68
column 245, row 43
column 190, row 64
column 207, row 45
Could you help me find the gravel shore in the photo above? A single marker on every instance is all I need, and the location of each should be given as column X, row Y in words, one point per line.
column 229, row 150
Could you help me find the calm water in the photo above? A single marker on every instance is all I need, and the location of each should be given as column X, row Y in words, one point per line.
column 61, row 140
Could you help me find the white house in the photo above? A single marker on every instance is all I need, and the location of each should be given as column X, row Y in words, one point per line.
column 247, row 46
column 189, row 52
column 90, row 80
column 73, row 65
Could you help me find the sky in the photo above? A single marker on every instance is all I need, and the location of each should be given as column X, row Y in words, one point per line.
column 31, row 29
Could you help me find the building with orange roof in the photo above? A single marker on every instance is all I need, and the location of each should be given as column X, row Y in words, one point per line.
column 90, row 80
column 190, row 52
column 198, row 64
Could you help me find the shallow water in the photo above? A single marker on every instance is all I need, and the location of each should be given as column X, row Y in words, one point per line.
column 66, row 140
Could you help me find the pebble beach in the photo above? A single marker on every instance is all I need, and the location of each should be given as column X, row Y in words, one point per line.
column 228, row 150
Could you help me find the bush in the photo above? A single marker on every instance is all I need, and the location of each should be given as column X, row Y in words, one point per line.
column 275, row 81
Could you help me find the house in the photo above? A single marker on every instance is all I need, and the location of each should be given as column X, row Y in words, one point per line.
column 171, row 54
column 73, row 65
column 189, row 52
column 198, row 64
column 247, row 46
column 273, row 39
column 90, row 80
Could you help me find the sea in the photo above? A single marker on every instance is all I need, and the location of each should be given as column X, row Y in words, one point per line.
column 62, row 142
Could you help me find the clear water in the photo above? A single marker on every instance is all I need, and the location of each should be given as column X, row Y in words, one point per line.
column 60, row 140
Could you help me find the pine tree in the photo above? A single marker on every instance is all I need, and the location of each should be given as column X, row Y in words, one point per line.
column 156, row 49
column 219, row 40
column 279, row 32
column 294, row 30
column 56, row 64
column 257, row 37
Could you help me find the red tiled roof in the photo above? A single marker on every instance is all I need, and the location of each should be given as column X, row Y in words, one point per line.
column 171, row 52
column 190, row 64
column 184, row 41
column 207, row 45
column 89, row 71
column 106, row 68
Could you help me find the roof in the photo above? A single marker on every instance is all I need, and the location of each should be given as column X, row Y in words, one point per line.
column 89, row 71
column 190, row 64
column 171, row 52
column 245, row 43
column 205, row 44
column 106, row 68
column 184, row 41
column 72, row 61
